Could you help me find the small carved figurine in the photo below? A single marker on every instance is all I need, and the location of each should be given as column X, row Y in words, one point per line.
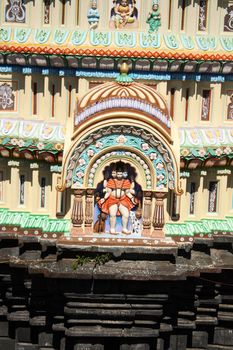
column 124, row 12
column 154, row 18
column 93, row 15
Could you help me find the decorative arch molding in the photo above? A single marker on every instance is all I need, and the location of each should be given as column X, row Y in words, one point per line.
column 125, row 116
column 126, row 103
column 158, row 152
column 134, row 158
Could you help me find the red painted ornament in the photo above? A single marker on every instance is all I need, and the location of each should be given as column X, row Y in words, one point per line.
column 57, row 51
column 67, row 51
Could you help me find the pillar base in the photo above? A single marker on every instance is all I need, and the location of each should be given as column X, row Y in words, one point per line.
column 77, row 231
column 158, row 234
column 146, row 233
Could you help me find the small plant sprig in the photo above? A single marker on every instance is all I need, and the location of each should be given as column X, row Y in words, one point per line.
column 100, row 259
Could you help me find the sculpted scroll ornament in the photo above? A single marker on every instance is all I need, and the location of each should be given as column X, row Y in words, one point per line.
column 22, row 35
column 5, row 34
column 15, row 11
column 100, row 38
column 152, row 40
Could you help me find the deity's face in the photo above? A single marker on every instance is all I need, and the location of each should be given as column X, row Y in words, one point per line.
column 114, row 174
column 94, row 5
column 125, row 174
column 155, row 7
column 119, row 175
column 124, row 3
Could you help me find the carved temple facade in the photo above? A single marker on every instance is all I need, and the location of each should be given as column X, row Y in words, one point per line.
column 116, row 186
column 68, row 118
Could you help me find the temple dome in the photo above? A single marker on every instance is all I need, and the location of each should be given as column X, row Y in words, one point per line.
column 123, row 94
column 123, row 88
column 117, row 90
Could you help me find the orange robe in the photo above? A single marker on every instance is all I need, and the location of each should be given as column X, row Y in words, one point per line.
column 124, row 200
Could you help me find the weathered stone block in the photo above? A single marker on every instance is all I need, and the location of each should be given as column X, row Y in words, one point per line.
column 23, row 335
column 7, row 344
column 4, row 329
column 45, row 339
column 25, row 346
column 88, row 347
column 223, row 336
column 200, row 339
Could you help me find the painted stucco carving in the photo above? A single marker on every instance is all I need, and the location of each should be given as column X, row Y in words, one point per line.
column 15, row 11
column 7, row 97
column 124, row 14
column 93, row 15
column 202, row 20
column 119, row 39
column 22, row 35
column 123, row 103
column 148, row 40
column 154, row 17
column 60, row 36
column 42, row 35
column 128, row 137
column 125, row 39
column 5, row 34
column 100, row 38
column 78, row 37
column 28, row 133
column 228, row 19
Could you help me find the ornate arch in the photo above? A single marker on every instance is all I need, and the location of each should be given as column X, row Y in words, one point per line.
column 157, row 153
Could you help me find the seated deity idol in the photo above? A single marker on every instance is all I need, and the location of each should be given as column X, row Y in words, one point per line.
column 123, row 13
column 118, row 200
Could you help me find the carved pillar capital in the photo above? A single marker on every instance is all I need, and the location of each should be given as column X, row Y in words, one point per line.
column 78, row 192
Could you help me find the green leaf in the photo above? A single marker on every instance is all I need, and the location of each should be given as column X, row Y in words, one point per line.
column 28, row 143
column 6, row 140
column 48, row 146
